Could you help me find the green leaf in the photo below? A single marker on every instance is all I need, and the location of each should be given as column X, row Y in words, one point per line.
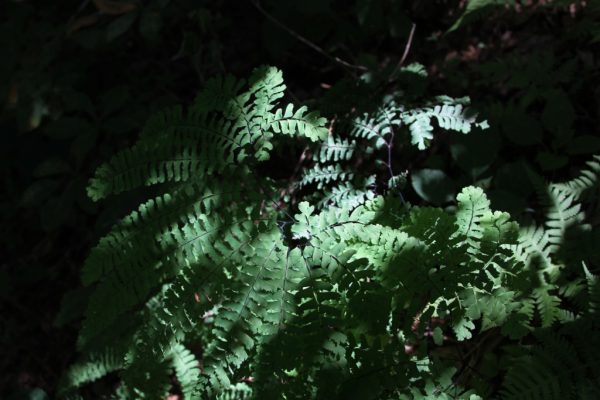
column 516, row 326
column 477, row 9
column 463, row 328
column 433, row 185
column 476, row 152
column 438, row 336
column 305, row 208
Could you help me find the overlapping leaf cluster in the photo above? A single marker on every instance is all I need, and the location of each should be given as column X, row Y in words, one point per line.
column 213, row 290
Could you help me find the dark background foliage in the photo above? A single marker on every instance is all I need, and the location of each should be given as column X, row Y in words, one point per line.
column 79, row 78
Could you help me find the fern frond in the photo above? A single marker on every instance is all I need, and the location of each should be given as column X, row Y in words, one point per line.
column 146, row 377
column 377, row 365
column 548, row 305
column 449, row 116
column 217, row 94
column 563, row 366
column 353, row 296
column 195, row 149
column 535, row 250
column 291, row 123
column 207, row 141
column 335, row 149
column 322, row 176
column 239, row 391
column 562, row 212
column 187, row 370
column 473, row 206
column 266, row 83
column 93, row 367
column 270, row 276
column 163, row 122
column 499, row 234
column 436, row 229
column 346, row 193
column 584, row 184
column 517, row 325
column 593, row 287
column 161, row 214
column 197, row 243
column 378, row 125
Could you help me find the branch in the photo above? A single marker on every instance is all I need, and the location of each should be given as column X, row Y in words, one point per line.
column 406, row 51
column 256, row 4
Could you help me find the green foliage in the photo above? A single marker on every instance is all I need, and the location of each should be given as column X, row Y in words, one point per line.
column 248, row 248
column 93, row 367
column 449, row 113
column 368, row 135
column 478, row 9
column 355, row 298
column 563, row 364
column 200, row 143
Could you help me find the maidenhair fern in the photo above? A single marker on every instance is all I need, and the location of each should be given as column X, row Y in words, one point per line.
column 564, row 364
column 336, row 149
column 211, row 139
column 217, row 289
column 449, row 113
column 364, row 135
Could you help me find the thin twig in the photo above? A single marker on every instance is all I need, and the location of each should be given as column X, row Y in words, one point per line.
column 389, row 145
column 406, row 51
column 256, row 4
column 290, row 185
